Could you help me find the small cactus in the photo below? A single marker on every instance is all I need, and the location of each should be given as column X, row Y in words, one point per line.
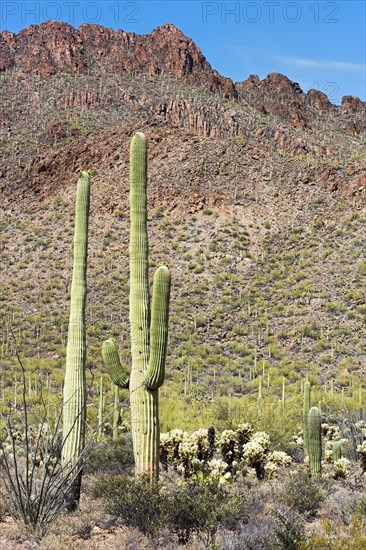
column 315, row 441
column 211, row 442
column 283, row 397
column 260, row 387
column 336, row 451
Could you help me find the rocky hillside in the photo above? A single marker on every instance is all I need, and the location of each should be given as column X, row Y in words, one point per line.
column 257, row 200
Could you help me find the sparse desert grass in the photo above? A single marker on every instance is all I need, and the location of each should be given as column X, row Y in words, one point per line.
column 257, row 292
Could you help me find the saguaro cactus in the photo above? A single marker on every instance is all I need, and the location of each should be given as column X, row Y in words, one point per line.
column 149, row 326
column 336, row 451
column 74, row 407
column 283, row 399
column 315, row 441
column 306, row 416
column 100, row 409
column 260, row 387
column 116, row 414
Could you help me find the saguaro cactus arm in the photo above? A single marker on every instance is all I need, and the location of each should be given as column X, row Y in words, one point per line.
column 113, row 364
column 158, row 329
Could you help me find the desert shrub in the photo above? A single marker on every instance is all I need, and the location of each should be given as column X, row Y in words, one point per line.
column 334, row 537
column 186, row 508
column 194, row 507
column 289, row 530
column 303, row 493
column 362, row 507
column 112, row 457
column 2, row 511
column 136, row 502
column 261, row 542
column 35, row 487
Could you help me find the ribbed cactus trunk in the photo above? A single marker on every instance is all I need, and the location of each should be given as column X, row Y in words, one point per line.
column 116, row 414
column 283, row 398
column 260, row 387
column 144, row 404
column 100, row 410
column 74, row 407
column 306, row 416
column 148, row 325
column 336, row 451
column 315, row 441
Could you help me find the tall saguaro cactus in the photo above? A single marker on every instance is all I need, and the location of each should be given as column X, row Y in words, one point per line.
column 74, row 407
column 148, row 325
column 315, row 441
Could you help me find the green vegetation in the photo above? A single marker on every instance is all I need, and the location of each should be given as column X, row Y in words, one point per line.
column 149, row 327
column 74, row 405
column 315, row 441
column 255, row 311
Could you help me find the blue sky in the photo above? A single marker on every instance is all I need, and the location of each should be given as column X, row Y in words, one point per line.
column 320, row 44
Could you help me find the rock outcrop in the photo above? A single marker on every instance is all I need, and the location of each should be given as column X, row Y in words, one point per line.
column 278, row 95
column 353, row 104
column 55, row 46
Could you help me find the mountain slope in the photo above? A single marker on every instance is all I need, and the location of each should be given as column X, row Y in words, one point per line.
column 256, row 200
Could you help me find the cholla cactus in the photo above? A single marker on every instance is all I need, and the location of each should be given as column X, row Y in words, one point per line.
column 241, row 450
column 232, row 443
column 169, row 447
column 193, row 452
column 328, row 453
column 40, row 444
column 186, row 452
column 280, row 458
column 341, row 468
column 276, row 459
column 228, row 446
column 361, row 425
column 333, row 442
column 263, row 439
column 270, row 470
column 298, row 439
column 201, row 438
column 331, row 432
column 254, row 453
column 255, row 456
column 243, row 434
column 17, row 436
column 361, row 449
column 219, row 471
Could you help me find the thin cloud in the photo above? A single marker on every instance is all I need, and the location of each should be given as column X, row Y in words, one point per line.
column 338, row 65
